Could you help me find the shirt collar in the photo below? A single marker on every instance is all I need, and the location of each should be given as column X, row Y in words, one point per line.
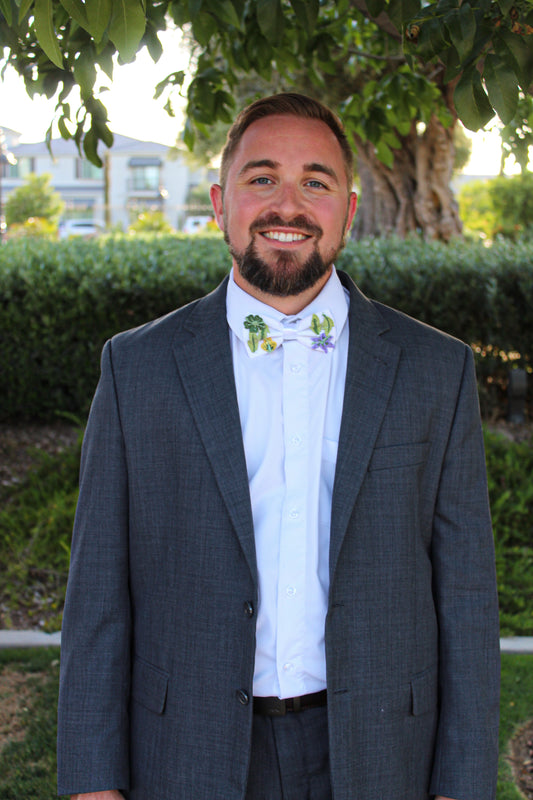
column 332, row 296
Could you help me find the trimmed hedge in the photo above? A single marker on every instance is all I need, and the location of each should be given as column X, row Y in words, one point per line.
column 59, row 302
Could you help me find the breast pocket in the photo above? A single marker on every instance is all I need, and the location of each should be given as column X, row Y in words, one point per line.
column 399, row 456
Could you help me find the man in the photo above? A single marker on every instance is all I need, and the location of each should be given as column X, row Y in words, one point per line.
column 282, row 581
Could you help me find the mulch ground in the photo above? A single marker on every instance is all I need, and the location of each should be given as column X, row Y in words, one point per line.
column 521, row 758
column 20, row 443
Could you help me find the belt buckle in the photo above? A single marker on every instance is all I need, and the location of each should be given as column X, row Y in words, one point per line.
column 278, row 707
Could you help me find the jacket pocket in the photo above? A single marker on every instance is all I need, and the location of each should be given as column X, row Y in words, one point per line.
column 424, row 692
column 399, row 455
column 149, row 685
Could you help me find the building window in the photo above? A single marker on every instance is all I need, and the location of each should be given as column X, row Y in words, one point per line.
column 145, row 178
column 21, row 169
column 86, row 170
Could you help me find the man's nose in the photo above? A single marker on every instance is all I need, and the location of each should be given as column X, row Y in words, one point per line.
column 288, row 201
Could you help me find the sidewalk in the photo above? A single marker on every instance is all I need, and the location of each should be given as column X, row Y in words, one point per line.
column 514, row 644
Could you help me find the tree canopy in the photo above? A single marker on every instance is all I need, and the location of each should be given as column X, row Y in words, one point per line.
column 386, row 62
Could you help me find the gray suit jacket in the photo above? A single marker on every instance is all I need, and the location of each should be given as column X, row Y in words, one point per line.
column 159, row 626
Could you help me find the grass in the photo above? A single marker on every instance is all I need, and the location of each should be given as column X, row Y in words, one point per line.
column 28, row 766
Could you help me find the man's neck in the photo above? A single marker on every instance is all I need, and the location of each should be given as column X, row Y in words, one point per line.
column 288, row 306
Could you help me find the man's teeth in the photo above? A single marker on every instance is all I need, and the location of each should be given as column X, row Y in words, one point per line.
column 285, row 237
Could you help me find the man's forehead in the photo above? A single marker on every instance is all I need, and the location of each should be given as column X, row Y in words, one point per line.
column 266, row 140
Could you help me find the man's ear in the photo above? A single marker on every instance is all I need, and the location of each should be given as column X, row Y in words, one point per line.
column 352, row 206
column 215, row 193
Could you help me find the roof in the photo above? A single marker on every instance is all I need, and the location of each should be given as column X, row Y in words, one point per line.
column 123, row 145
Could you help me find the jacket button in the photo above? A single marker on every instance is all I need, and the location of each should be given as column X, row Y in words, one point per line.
column 249, row 609
column 243, row 697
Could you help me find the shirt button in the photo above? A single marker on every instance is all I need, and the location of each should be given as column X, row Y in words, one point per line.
column 296, row 368
column 296, row 440
column 249, row 608
column 290, row 591
column 243, row 697
column 294, row 514
column 288, row 666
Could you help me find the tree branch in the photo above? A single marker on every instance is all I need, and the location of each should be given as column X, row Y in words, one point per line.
column 383, row 21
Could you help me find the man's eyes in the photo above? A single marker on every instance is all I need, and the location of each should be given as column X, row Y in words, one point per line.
column 262, row 180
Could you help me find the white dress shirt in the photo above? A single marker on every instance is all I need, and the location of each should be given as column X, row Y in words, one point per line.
column 290, row 404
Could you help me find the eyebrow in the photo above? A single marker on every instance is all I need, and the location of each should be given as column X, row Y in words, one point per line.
column 314, row 166
column 262, row 162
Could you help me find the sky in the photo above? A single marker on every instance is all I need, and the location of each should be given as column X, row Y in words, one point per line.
column 131, row 108
column 133, row 111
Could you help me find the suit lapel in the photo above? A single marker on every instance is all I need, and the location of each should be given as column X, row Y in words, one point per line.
column 203, row 357
column 370, row 374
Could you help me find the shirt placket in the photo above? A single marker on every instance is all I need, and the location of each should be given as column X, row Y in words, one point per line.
column 292, row 561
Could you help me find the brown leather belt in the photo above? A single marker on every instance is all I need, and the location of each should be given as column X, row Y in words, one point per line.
column 274, row 707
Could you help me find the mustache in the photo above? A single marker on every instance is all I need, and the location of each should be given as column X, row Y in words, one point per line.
column 300, row 223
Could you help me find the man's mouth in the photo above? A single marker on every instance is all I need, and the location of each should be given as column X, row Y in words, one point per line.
column 282, row 236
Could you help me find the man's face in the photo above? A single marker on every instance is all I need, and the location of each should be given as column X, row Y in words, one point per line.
column 286, row 206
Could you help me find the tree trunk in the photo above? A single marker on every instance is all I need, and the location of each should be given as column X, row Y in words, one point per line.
column 415, row 195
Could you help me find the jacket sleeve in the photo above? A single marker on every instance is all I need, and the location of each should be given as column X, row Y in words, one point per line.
column 95, row 641
column 464, row 585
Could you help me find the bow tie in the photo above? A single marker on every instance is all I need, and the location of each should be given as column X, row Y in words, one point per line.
column 264, row 335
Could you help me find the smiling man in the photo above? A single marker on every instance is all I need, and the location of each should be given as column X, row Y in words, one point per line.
column 282, row 583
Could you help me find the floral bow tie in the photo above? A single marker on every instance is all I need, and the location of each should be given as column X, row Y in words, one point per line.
column 264, row 336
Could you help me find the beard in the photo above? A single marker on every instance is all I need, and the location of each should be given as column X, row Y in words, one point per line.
column 286, row 276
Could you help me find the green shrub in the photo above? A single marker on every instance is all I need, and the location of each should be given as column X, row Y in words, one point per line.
column 509, row 469
column 59, row 302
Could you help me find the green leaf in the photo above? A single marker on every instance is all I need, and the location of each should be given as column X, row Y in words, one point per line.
column 98, row 15
column 76, row 10
column 6, row 9
column 461, row 25
column 204, row 27
column 90, row 143
column 225, row 11
column 375, row 7
column 307, row 13
column 315, row 324
column 513, row 47
column 270, row 19
column 63, row 129
column 24, row 8
column 471, row 102
column 327, row 323
column 127, row 27
column 188, row 135
column 105, row 60
column 502, row 90
column 44, row 29
column 103, row 132
column 385, row 154
column 151, row 39
column 85, row 71
column 169, row 109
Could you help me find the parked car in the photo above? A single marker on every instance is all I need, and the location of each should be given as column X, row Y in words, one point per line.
column 195, row 224
column 79, row 227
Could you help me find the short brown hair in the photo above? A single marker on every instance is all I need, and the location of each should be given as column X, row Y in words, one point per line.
column 288, row 103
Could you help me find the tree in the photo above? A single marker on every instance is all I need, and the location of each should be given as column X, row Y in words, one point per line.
column 34, row 199
column 399, row 71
